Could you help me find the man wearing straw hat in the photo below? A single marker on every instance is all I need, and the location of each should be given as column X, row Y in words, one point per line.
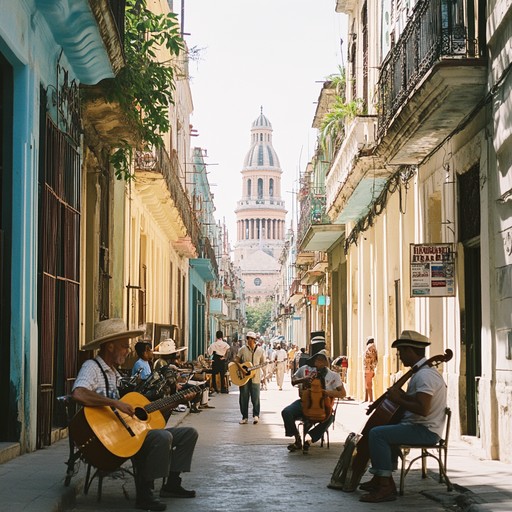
column 424, row 403
column 96, row 386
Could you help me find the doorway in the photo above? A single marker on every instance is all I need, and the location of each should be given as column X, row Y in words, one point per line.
column 8, row 423
column 471, row 305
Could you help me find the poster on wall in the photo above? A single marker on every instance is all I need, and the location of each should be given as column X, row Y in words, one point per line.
column 432, row 270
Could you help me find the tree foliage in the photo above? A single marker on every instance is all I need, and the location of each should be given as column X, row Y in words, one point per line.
column 144, row 87
column 259, row 316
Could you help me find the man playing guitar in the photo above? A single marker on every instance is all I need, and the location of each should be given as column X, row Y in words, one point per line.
column 96, row 386
column 316, row 366
column 424, row 404
column 255, row 355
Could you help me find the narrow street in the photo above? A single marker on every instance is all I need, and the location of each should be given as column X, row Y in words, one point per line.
column 248, row 468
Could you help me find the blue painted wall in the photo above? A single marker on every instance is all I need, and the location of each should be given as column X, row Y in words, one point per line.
column 34, row 35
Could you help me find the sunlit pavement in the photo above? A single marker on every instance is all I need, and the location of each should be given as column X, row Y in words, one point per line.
column 248, row 468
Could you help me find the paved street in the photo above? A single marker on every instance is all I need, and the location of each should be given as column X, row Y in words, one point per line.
column 247, row 467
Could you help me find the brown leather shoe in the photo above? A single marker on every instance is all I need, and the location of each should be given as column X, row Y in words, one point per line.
column 385, row 491
column 370, row 485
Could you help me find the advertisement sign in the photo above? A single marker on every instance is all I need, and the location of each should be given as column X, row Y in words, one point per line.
column 432, row 270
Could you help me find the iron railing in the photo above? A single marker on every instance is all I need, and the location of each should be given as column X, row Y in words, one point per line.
column 159, row 161
column 312, row 211
column 435, row 31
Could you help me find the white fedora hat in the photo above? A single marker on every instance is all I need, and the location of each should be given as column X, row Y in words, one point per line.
column 167, row 347
column 111, row 329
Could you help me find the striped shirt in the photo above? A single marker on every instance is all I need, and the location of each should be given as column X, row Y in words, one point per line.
column 91, row 377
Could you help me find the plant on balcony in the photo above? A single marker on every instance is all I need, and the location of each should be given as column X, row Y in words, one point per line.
column 332, row 128
column 144, row 87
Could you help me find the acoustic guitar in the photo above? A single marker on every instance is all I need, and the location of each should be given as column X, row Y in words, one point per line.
column 106, row 437
column 355, row 456
column 242, row 377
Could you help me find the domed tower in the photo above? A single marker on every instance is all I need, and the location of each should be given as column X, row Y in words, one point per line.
column 261, row 215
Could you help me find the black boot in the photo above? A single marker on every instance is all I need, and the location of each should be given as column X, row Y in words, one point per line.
column 173, row 489
column 145, row 499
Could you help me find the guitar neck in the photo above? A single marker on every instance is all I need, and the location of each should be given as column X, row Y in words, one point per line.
column 169, row 401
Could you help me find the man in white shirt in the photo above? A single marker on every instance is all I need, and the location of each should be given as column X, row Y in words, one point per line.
column 280, row 359
column 218, row 350
column 424, row 403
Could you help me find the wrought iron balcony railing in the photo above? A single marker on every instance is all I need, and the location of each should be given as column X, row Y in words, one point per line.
column 435, row 31
column 159, row 161
column 312, row 211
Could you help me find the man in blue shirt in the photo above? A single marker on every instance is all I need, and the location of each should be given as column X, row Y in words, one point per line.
column 145, row 353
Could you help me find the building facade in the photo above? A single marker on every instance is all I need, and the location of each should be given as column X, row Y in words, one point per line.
column 260, row 216
column 418, row 184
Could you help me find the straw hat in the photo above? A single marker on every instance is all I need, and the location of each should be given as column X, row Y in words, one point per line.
column 111, row 329
column 167, row 347
column 411, row 339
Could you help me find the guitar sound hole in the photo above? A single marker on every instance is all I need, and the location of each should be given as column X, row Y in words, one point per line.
column 141, row 414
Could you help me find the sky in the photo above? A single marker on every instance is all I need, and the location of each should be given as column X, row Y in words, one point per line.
column 273, row 54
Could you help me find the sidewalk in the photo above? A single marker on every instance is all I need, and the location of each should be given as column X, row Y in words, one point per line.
column 35, row 482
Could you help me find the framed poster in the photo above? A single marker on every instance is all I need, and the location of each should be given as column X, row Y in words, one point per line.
column 432, row 270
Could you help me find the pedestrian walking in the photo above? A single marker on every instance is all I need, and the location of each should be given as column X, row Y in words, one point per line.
column 255, row 356
column 280, row 360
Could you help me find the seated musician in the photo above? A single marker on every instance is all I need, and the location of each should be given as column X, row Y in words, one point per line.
column 141, row 368
column 424, row 403
column 316, row 366
column 170, row 357
column 96, row 386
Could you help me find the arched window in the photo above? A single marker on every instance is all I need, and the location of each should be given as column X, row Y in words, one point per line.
column 249, row 183
column 271, row 187
column 260, row 188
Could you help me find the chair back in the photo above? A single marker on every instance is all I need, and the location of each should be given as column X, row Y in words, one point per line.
column 444, row 440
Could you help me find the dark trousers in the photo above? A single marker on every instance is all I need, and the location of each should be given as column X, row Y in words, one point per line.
column 219, row 368
column 293, row 413
column 164, row 451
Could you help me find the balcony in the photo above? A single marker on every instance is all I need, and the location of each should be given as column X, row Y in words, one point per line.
column 315, row 231
column 296, row 292
column 218, row 308
column 159, row 185
column 206, row 251
column 430, row 82
column 346, row 6
column 356, row 176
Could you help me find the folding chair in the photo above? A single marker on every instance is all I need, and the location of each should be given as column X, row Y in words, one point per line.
column 438, row 451
column 70, row 408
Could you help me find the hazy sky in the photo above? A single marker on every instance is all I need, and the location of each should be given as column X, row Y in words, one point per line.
column 269, row 53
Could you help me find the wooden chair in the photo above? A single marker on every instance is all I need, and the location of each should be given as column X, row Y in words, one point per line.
column 438, row 451
column 70, row 408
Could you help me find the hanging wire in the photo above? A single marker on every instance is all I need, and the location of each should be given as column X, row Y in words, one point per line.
column 399, row 179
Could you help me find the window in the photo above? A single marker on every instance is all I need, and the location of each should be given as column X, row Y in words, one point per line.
column 260, row 188
column 271, row 187
column 249, row 183
column 257, row 282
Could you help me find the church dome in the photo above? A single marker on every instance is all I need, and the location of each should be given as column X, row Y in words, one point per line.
column 262, row 122
column 261, row 153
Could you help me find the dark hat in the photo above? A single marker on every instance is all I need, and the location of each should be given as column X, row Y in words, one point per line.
column 411, row 339
column 317, row 337
column 311, row 360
